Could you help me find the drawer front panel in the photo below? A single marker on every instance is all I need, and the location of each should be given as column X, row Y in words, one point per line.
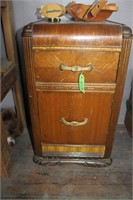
column 73, row 118
column 103, row 66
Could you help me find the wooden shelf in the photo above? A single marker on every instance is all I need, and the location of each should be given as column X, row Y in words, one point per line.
column 5, row 66
column 9, row 81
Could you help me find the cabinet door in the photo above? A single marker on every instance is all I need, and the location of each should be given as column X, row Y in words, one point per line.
column 74, row 118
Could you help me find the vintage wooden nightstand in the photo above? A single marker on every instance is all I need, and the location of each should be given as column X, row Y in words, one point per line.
column 71, row 121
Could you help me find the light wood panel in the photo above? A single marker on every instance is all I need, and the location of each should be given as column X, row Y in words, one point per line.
column 74, row 148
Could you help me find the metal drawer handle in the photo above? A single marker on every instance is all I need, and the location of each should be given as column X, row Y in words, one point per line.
column 74, row 123
column 75, row 68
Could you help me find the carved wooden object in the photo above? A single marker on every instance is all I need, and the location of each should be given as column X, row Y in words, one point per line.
column 96, row 12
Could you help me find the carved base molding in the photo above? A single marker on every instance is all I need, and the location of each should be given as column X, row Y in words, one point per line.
column 86, row 161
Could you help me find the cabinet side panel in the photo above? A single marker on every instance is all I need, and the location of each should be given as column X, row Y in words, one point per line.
column 30, row 76
column 122, row 69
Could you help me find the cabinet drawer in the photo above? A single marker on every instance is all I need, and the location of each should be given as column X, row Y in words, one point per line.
column 102, row 66
column 73, row 118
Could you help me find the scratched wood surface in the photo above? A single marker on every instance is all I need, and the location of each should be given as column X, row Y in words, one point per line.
column 31, row 181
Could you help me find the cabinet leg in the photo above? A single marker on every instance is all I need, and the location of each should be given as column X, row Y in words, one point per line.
column 88, row 161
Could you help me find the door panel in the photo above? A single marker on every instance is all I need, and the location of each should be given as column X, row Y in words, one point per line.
column 96, row 107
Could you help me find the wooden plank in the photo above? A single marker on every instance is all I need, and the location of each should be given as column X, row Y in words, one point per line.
column 7, row 30
column 8, row 80
column 3, row 3
column 5, row 154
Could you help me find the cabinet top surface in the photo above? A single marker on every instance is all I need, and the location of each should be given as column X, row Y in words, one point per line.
column 76, row 34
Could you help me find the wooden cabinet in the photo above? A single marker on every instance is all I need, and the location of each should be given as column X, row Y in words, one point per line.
column 71, row 124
